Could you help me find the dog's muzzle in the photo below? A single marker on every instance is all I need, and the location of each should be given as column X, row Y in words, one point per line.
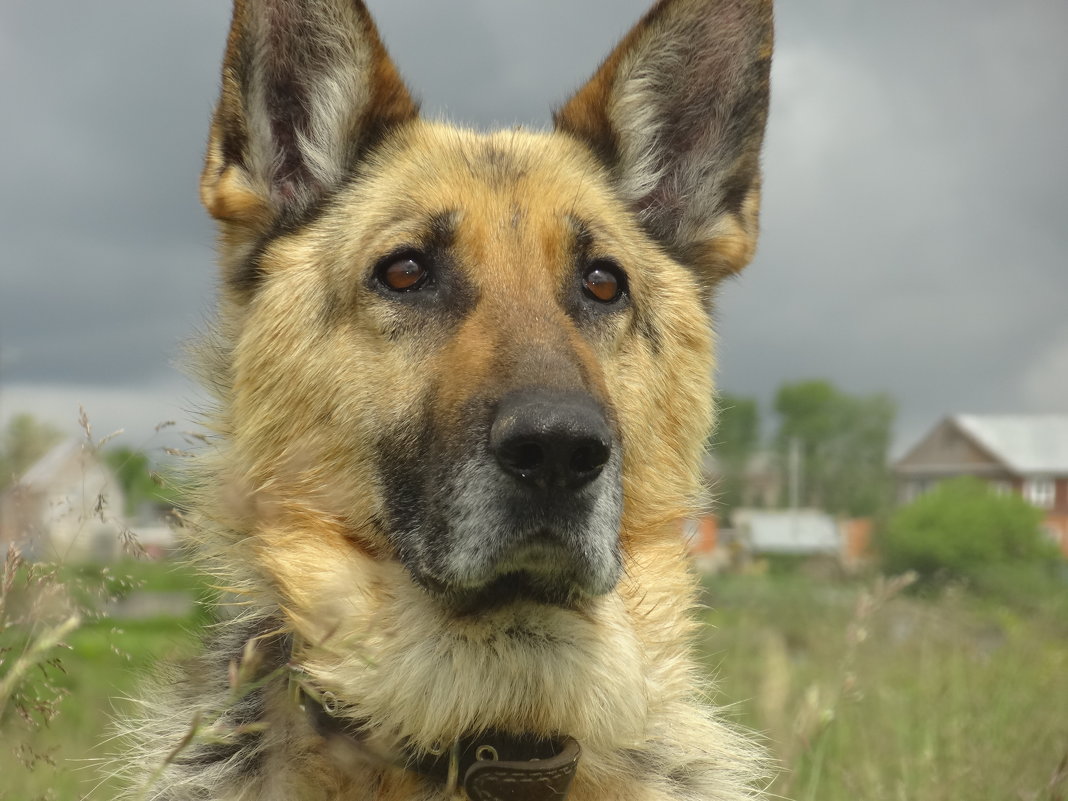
column 531, row 510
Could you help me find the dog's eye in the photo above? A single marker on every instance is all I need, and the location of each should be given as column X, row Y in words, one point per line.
column 403, row 273
column 604, row 281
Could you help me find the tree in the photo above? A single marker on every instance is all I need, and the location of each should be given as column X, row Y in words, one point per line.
column 25, row 440
column 734, row 442
column 961, row 527
column 844, row 442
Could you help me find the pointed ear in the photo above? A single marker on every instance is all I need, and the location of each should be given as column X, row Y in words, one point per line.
column 307, row 86
column 677, row 112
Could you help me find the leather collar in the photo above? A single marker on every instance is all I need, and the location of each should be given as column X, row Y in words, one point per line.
column 491, row 766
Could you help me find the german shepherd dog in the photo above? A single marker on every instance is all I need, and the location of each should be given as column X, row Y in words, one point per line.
column 464, row 380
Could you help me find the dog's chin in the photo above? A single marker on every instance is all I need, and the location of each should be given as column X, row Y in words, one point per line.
column 510, row 591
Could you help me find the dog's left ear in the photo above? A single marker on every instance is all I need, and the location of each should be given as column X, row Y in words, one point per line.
column 677, row 112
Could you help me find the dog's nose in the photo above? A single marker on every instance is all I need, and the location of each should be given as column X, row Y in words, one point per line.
column 551, row 439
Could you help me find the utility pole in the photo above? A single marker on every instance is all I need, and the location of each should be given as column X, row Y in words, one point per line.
column 794, row 469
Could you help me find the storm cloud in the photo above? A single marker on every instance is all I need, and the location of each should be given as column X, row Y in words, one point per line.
column 914, row 226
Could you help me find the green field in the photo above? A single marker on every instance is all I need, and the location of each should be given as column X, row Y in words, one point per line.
column 950, row 698
column 899, row 698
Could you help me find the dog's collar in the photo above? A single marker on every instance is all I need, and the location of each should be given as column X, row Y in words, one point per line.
column 487, row 767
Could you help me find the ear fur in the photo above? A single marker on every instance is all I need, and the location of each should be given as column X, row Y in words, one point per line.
column 677, row 112
column 306, row 87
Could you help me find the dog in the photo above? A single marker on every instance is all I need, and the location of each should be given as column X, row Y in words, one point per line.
column 464, row 381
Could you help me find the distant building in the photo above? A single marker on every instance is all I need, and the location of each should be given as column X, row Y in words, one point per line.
column 1022, row 454
column 68, row 506
column 803, row 532
column 756, row 533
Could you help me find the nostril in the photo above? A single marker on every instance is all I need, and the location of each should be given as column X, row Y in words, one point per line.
column 589, row 459
column 525, row 456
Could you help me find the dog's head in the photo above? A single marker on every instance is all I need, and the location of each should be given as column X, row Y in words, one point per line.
column 486, row 357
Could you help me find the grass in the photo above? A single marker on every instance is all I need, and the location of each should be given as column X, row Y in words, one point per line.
column 861, row 694
column 52, row 740
column 921, row 699
column 102, row 666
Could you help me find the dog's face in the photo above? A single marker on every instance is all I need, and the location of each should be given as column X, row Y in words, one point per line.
column 486, row 357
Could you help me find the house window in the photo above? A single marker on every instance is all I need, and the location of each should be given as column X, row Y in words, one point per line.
column 1040, row 492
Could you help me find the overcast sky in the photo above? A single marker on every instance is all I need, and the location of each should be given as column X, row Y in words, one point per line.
column 915, row 226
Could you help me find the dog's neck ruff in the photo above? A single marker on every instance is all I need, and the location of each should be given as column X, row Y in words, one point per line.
column 487, row 767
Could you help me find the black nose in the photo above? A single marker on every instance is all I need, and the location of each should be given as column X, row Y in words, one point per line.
column 551, row 439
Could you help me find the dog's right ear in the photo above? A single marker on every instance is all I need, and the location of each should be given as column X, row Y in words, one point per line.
column 307, row 86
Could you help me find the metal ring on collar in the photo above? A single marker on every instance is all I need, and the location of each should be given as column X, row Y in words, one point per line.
column 330, row 704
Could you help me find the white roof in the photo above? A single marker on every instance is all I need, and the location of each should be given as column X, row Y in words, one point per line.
column 1035, row 443
column 41, row 472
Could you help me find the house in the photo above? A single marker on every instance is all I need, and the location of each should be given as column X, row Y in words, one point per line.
column 1022, row 454
column 66, row 507
column 800, row 532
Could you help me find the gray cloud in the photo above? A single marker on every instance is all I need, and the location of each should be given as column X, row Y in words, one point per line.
column 913, row 229
column 914, row 236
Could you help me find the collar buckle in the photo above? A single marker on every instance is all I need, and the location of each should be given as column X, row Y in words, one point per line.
column 483, row 767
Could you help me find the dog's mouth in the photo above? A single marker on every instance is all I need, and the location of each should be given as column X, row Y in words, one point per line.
column 510, row 589
column 544, row 570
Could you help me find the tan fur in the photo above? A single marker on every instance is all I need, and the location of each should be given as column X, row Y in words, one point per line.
column 310, row 371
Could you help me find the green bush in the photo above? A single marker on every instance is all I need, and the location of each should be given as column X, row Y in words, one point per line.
column 961, row 529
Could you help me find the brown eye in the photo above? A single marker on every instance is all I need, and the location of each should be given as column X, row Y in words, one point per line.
column 404, row 274
column 603, row 281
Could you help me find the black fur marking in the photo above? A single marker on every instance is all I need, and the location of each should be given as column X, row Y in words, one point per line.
column 414, row 461
column 234, row 143
column 376, row 129
column 582, row 244
column 333, row 311
column 242, row 749
column 534, row 638
column 501, row 167
column 736, row 189
column 441, row 230
column 248, row 277
column 647, row 329
column 289, row 119
column 407, row 463
column 513, row 587
column 602, row 141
